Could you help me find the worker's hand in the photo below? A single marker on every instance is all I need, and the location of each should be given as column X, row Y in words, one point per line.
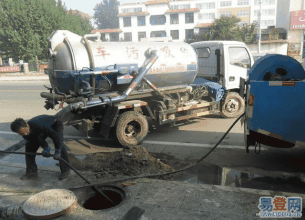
column 46, row 152
column 56, row 156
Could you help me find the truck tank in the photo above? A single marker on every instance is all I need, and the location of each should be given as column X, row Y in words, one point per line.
column 71, row 55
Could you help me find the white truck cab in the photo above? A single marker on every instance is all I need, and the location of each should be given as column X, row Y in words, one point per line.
column 225, row 62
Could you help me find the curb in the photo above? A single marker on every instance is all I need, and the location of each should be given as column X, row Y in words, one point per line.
column 24, row 78
column 20, row 76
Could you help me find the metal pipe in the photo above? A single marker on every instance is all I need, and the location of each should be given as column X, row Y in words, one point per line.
column 259, row 26
column 151, row 55
column 88, row 86
column 103, row 72
column 92, row 35
column 93, row 84
column 51, row 96
column 156, row 90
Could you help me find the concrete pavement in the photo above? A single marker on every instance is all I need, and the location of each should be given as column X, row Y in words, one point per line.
column 156, row 199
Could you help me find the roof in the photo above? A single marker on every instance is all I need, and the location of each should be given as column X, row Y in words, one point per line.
column 133, row 14
column 182, row 10
column 225, row 42
column 116, row 30
column 157, row 2
column 203, row 25
column 80, row 13
column 135, row 3
column 274, row 41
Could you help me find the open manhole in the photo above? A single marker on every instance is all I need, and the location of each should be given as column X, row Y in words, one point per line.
column 92, row 200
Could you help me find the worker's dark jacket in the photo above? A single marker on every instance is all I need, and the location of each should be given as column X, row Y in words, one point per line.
column 40, row 129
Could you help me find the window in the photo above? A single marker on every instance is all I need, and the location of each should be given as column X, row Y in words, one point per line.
column 242, row 13
column 267, row 22
column 239, row 56
column 157, row 19
column 208, row 5
column 228, row 13
column 141, row 20
column 174, row 18
column 127, row 21
column 158, row 34
column 203, row 52
column 265, row 12
column 175, row 34
column 184, row 6
column 207, row 16
column 131, row 10
column 265, row 2
column 189, row 18
column 114, row 36
column 127, row 36
column 243, row 2
column 225, row 3
column 103, row 37
column 189, row 33
column 141, row 35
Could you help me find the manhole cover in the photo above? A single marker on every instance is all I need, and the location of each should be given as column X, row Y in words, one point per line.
column 49, row 204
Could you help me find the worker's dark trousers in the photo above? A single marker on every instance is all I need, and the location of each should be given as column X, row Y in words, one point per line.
column 32, row 147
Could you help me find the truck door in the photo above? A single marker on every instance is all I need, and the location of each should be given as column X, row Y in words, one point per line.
column 239, row 62
column 207, row 63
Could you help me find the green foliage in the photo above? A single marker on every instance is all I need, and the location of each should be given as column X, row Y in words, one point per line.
column 224, row 28
column 227, row 28
column 25, row 26
column 106, row 14
column 247, row 32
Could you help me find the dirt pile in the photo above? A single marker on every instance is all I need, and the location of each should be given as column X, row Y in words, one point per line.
column 128, row 162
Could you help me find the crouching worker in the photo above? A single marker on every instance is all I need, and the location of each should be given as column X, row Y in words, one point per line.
column 35, row 131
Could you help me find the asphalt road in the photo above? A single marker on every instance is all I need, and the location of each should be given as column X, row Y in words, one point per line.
column 22, row 99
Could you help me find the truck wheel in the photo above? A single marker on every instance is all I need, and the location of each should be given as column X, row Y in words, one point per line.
column 233, row 106
column 131, row 129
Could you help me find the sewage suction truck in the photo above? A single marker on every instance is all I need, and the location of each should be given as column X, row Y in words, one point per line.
column 114, row 87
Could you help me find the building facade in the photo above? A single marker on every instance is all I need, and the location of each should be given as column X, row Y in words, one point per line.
column 180, row 19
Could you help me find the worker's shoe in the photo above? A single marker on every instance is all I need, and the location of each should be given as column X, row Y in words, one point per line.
column 29, row 176
column 64, row 175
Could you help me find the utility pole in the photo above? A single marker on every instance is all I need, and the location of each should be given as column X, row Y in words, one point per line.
column 259, row 26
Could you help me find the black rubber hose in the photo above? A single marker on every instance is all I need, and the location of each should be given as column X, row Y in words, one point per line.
column 177, row 171
column 68, row 166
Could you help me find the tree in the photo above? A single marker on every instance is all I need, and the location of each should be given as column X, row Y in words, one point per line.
column 228, row 28
column 106, row 14
column 224, row 28
column 25, row 26
column 248, row 32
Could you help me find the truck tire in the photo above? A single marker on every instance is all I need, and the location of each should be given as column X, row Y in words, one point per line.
column 233, row 106
column 131, row 129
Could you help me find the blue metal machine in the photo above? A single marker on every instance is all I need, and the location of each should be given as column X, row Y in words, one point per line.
column 275, row 103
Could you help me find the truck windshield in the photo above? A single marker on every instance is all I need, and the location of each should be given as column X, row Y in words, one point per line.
column 239, row 56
